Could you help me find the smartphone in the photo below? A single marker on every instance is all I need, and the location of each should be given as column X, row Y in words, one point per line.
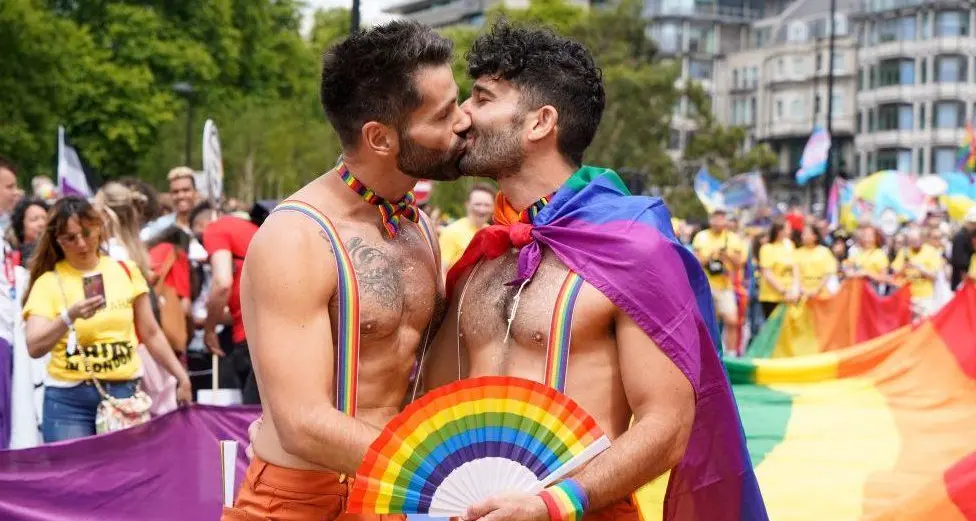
column 94, row 286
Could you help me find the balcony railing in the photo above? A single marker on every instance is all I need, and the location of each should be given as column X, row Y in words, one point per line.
column 723, row 12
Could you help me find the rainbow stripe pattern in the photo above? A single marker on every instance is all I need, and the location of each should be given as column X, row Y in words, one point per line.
column 391, row 212
column 347, row 341
column 882, row 430
column 854, row 314
column 411, row 467
column 566, row 501
column 560, row 332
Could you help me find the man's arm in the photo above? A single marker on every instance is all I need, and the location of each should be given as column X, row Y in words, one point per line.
column 664, row 410
column 285, row 302
column 222, row 278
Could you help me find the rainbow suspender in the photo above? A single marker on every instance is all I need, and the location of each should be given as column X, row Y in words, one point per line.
column 347, row 342
column 560, row 332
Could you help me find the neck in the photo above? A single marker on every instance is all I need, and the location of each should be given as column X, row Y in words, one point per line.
column 386, row 181
column 183, row 219
column 534, row 181
column 85, row 263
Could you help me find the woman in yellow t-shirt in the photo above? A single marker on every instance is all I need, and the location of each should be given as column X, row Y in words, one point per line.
column 87, row 309
column 869, row 261
column 780, row 277
column 816, row 263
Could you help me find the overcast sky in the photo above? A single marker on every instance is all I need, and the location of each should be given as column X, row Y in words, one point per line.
column 371, row 10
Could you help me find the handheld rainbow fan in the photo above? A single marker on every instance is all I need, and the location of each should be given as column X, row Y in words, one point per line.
column 470, row 440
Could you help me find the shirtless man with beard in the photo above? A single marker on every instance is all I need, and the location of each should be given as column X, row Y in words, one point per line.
column 390, row 95
column 535, row 106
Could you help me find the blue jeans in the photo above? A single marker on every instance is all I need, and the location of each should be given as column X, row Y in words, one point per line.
column 69, row 412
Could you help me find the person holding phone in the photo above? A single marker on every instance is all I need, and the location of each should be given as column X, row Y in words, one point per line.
column 87, row 309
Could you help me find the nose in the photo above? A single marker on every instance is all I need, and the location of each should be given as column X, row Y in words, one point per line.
column 463, row 121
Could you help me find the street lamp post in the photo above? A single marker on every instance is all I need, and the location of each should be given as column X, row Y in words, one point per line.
column 354, row 21
column 186, row 90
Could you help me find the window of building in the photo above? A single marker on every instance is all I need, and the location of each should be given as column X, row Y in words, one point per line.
column 896, row 29
column 735, row 78
column 871, row 120
column 796, row 109
column 799, row 66
column 949, row 114
column 951, row 23
column 857, row 164
column 818, row 28
column 871, row 162
column 701, row 38
column 950, row 68
column 896, row 71
column 926, row 26
column 754, row 77
column 840, row 24
column 797, row 32
column 837, row 105
column 779, row 109
column 780, row 67
column 943, row 159
column 924, row 71
column 752, row 110
column 895, row 116
column 871, row 77
column 899, row 159
column 816, row 104
column 674, row 139
column 818, row 62
column 700, row 69
column 857, row 123
column 839, row 65
column 921, row 116
column 668, row 36
column 860, row 79
column 921, row 161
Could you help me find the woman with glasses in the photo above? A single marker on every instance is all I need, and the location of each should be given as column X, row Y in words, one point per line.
column 89, row 326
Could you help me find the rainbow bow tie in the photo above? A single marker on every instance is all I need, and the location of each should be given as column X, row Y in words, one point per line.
column 405, row 208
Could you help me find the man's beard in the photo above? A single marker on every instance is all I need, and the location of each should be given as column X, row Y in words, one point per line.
column 495, row 153
column 420, row 162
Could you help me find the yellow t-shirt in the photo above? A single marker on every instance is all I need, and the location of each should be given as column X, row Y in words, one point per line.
column 707, row 244
column 929, row 259
column 778, row 258
column 454, row 239
column 815, row 264
column 874, row 262
column 108, row 338
column 972, row 266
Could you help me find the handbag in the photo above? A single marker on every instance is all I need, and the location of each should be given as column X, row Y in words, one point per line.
column 112, row 414
column 172, row 318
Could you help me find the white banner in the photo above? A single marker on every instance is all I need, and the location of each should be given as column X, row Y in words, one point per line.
column 213, row 163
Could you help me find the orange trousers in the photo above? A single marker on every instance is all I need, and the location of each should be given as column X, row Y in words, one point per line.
column 273, row 493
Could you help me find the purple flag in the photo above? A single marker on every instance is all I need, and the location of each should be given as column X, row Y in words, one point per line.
column 166, row 469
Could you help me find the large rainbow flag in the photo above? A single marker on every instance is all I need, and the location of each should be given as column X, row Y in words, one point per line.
column 881, row 431
column 854, row 314
column 660, row 284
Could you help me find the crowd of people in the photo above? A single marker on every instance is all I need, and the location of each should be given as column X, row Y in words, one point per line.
column 120, row 296
column 755, row 264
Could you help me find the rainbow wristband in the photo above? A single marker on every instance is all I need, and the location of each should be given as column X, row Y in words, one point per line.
column 566, row 501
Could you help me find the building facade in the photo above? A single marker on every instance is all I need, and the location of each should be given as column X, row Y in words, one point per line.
column 442, row 13
column 776, row 87
column 916, row 84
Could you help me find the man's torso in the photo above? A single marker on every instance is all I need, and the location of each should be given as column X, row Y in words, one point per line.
column 593, row 376
column 234, row 235
column 399, row 296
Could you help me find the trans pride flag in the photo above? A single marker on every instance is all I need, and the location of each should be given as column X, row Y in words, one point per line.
column 623, row 245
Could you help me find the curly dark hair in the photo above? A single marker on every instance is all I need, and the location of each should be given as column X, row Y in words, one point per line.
column 369, row 75
column 547, row 69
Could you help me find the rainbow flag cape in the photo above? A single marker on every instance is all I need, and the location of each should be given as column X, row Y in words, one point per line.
column 624, row 246
column 854, row 314
column 880, row 431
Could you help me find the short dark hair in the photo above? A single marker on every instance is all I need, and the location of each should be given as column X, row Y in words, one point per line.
column 8, row 164
column 201, row 207
column 482, row 187
column 368, row 76
column 548, row 70
column 20, row 211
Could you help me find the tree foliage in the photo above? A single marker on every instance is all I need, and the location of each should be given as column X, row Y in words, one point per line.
column 105, row 69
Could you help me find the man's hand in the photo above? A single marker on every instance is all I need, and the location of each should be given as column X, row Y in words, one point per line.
column 213, row 342
column 252, row 435
column 509, row 507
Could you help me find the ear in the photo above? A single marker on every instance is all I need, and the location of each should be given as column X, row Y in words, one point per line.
column 380, row 139
column 542, row 123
